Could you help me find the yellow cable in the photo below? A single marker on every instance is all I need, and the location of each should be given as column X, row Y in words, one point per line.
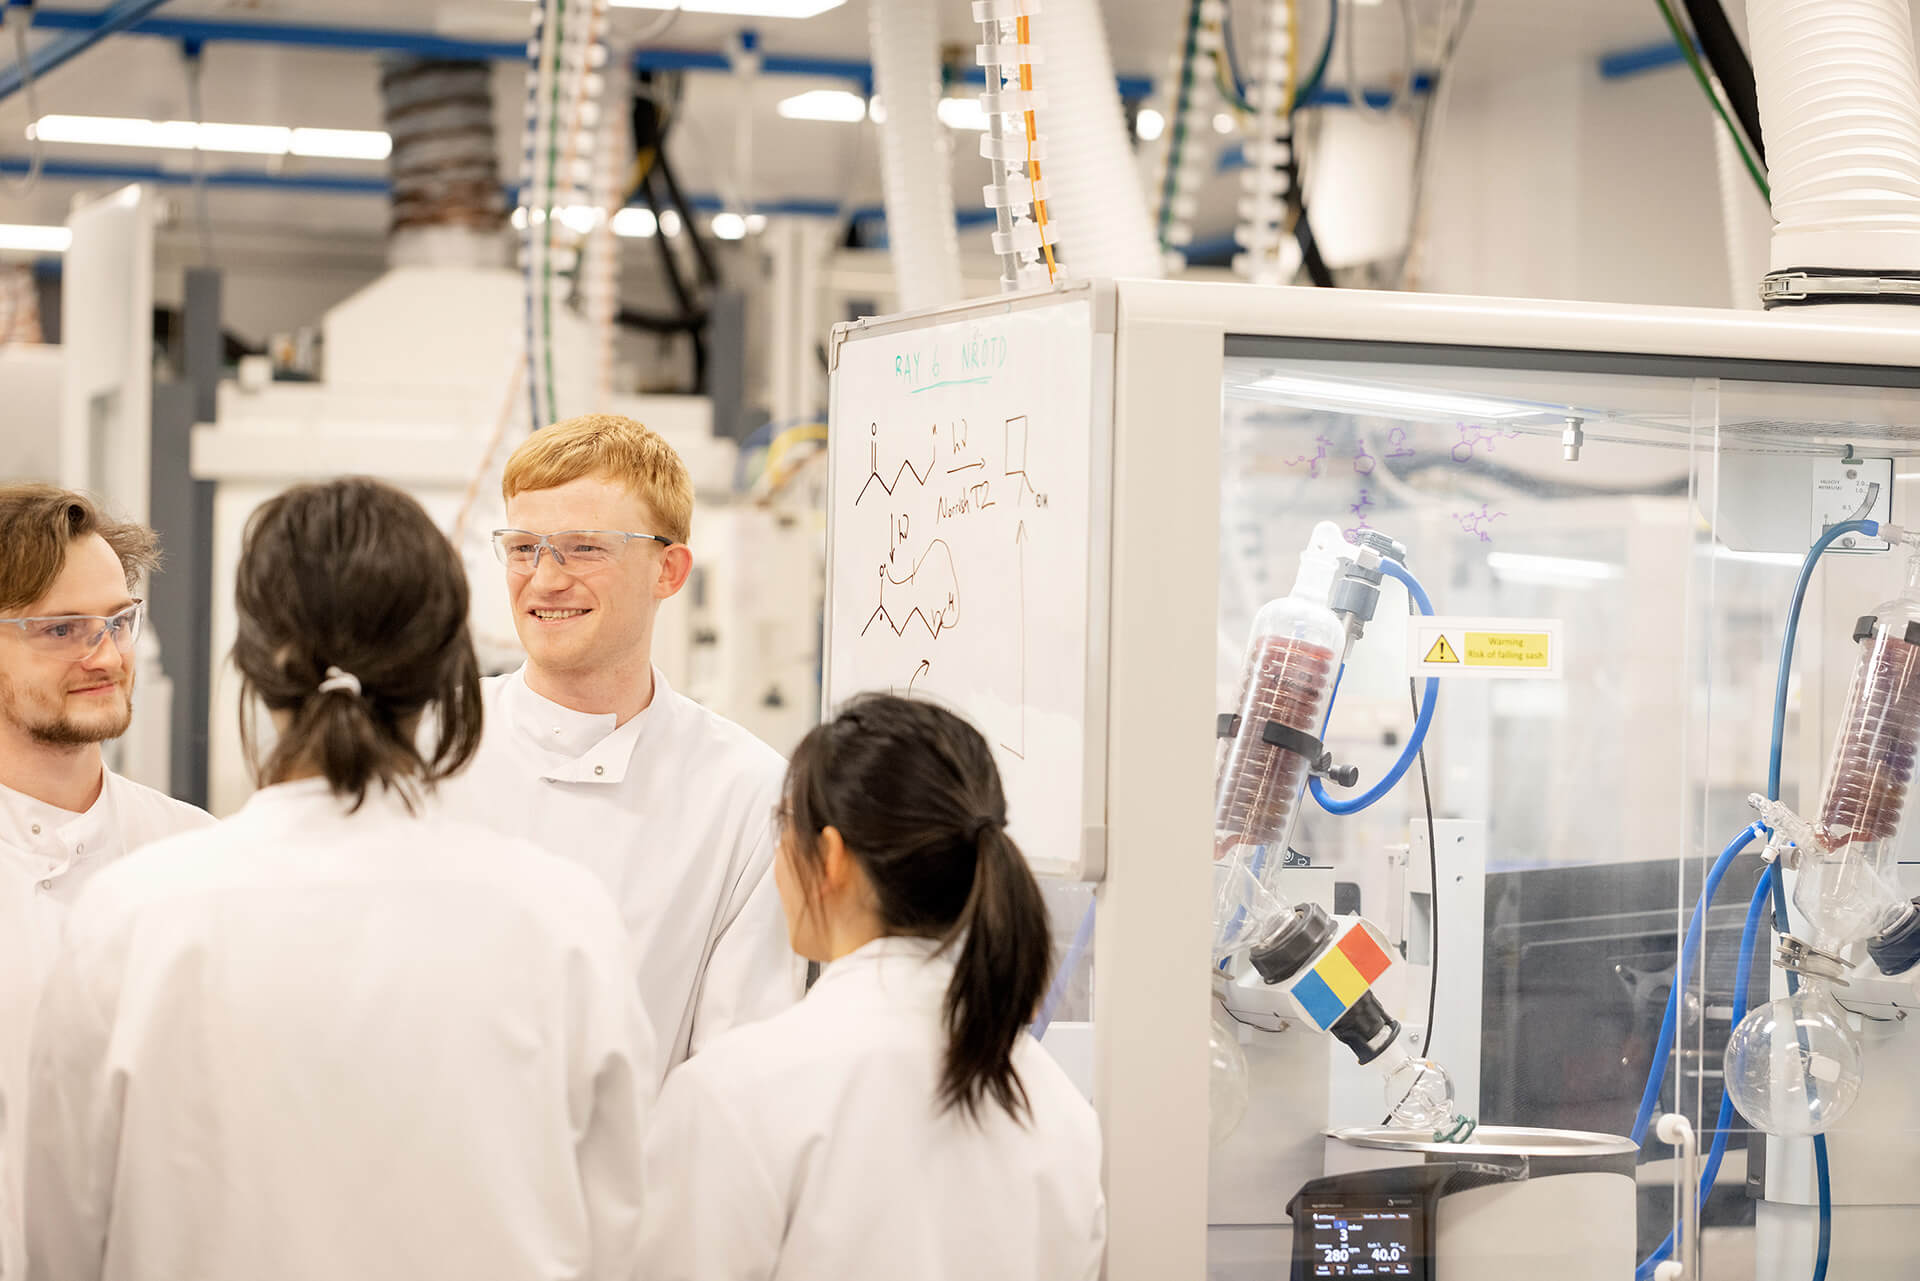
column 1033, row 167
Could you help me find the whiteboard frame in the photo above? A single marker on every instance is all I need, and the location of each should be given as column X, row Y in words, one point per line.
column 1089, row 862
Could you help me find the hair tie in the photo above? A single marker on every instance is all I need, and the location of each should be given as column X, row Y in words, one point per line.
column 982, row 825
column 339, row 680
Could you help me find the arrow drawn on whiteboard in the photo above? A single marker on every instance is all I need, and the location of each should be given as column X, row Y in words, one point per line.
column 1020, row 555
column 925, row 667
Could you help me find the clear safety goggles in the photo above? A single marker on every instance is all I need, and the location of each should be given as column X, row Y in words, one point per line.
column 577, row 550
column 75, row 636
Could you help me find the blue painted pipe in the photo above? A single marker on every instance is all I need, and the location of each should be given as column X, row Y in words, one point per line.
column 72, row 44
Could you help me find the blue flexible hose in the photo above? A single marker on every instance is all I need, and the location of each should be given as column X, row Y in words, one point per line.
column 1870, row 528
column 1411, row 752
column 1742, row 979
column 1663, row 1049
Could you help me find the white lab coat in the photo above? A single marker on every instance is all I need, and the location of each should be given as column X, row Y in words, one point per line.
column 810, row 1148
column 311, row 1046
column 47, row 855
column 673, row 811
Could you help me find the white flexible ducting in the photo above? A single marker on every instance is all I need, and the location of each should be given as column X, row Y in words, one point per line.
column 1736, row 189
column 1093, row 188
column 1840, row 103
column 915, row 167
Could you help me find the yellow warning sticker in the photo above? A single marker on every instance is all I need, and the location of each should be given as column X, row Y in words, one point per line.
column 1508, row 649
column 1485, row 647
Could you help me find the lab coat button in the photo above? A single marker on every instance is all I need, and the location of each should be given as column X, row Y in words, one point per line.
column 46, row 885
column 599, row 770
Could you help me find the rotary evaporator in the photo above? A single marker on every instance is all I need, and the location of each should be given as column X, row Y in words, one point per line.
column 1428, row 1193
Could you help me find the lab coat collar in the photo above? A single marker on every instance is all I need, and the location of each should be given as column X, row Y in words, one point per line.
column 891, row 957
column 308, row 802
column 581, row 747
column 50, row 839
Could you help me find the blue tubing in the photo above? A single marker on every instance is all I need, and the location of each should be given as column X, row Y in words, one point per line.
column 1411, row 752
column 1058, row 988
column 1871, row 528
column 1743, row 977
column 1663, row 1051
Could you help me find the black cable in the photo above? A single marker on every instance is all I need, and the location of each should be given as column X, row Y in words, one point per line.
column 1317, row 269
column 709, row 273
column 1730, row 66
column 1433, row 873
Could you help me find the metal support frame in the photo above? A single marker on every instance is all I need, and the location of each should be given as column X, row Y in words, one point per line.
column 88, row 26
column 64, row 48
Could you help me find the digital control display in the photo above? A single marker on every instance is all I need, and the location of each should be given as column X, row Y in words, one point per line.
column 1357, row 1241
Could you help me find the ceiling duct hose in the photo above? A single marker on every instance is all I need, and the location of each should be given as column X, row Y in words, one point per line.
column 915, row 165
column 1093, row 187
column 1840, row 103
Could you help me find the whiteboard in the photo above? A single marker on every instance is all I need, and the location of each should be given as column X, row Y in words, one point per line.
column 967, row 545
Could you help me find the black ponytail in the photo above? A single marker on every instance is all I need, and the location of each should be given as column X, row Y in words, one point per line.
column 914, row 793
column 353, row 622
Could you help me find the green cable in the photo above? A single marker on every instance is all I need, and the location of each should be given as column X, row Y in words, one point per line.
column 1713, row 96
column 553, row 165
column 1183, row 102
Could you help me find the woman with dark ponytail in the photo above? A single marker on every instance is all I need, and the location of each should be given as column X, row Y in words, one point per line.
column 342, row 1035
column 899, row 1122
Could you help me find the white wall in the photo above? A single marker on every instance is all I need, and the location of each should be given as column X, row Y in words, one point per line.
column 1559, row 184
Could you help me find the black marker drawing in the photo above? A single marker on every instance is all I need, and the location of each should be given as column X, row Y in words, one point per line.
column 1020, row 556
column 930, row 592
column 906, row 464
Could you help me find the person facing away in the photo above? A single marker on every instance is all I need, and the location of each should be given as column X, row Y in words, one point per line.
column 342, row 1034
column 69, row 623
column 590, row 754
column 898, row 1122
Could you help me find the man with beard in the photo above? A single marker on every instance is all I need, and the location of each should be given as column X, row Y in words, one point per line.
column 68, row 625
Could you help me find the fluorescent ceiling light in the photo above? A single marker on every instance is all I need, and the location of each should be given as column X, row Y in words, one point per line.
column 729, row 226
column 635, row 222
column 756, row 223
column 1387, row 400
column 742, row 8
column 186, row 135
column 1551, row 571
column 35, row 239
column 1222, row 122
column 1149, row 124
column 670, row 223
column 824, row 104
column 962, row 113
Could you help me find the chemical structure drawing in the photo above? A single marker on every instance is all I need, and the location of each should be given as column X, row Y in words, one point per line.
column 1473, row 439
column 1359, row 510
column 1478, row 523
column 929, row 593
column 1363, row 462
column 906, row 468
column 1016, row 465
column 1397, row 446
column 1317, row 462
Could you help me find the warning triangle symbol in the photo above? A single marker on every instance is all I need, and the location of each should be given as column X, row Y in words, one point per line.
column 1441, row 653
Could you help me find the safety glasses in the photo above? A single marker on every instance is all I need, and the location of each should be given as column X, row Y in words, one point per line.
column 75, row 636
